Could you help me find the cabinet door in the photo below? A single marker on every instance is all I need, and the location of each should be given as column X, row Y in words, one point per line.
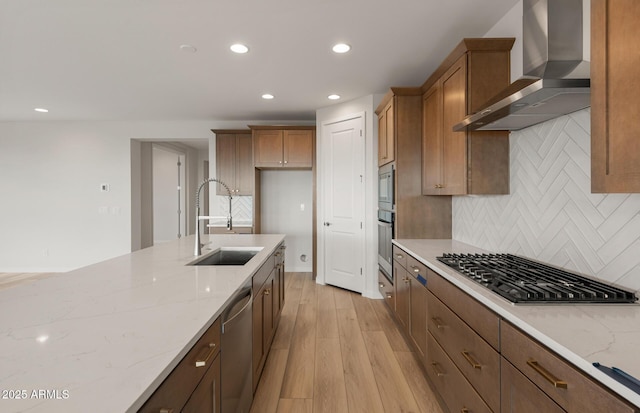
column 454, row 144
column 418, row 313
column 244, row 172
column 382, row 138
column 206, row 397
column 225, row 161
column 401, row 280
column 519, row 395
column 615, row 102
column 432, row 140
column 267, row 148
column 386, row 134
column 298, row 149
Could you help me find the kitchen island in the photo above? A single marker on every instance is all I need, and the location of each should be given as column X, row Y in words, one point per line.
column 580, row 333
column 102, row 338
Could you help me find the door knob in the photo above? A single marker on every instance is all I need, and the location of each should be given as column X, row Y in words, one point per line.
column 326, row 224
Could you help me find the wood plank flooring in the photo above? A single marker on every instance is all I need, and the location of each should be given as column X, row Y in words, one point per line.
column 336, row 351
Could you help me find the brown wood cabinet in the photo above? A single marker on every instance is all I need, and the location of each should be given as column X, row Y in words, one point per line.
column 408, row 297
column 519, row 395
column 458, row 163
column 267, row 298
column 206, row 397
column 615, row 102
column 386, row 289
column 283, row 147
column 234, row 161
column 417, row 216
column 183, row 382
column 386, row 133
column 560, row 381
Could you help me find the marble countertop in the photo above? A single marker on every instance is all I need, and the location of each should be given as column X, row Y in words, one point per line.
column 102, row 338
column 581, row 333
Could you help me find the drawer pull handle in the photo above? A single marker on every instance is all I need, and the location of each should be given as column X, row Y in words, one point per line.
column 546, row 374
column 415, row 269
column 439, row 324
column 406, row 279
column 267, row 291
column 165, row 410
column 389, row 296
column 470, row 359
column 205, row 355
column 437, row 370
column 464, row 410
column 399, row 256
column 381, row 285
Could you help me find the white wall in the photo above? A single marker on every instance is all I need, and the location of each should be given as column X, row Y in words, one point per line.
column 282, row 194
column 366, row 105
column 53, row 216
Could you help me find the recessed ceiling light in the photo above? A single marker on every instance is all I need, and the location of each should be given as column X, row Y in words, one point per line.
column 333, row 97
column 267, row 96
column 43, row 110
column 341, row 48
column 239, row 48
column 188, row 48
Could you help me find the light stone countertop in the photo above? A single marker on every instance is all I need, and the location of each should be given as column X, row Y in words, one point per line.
column 102, row 338
column 581, row 333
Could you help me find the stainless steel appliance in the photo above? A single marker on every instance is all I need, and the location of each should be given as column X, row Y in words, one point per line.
column 386, row 199
column 521, row 280
column 385, row 234
column 386, row 215
column 236, row 353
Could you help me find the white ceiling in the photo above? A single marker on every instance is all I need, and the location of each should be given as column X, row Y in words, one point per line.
column 120, row 59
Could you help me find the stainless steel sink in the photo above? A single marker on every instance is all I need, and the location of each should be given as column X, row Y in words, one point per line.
column 228, row 256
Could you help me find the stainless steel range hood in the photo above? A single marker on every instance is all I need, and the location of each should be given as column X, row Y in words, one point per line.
column 556, row 80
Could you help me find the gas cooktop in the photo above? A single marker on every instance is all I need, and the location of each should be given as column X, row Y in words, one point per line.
column 521, row 280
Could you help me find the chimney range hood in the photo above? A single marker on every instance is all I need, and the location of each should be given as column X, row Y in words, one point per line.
column 556, row 80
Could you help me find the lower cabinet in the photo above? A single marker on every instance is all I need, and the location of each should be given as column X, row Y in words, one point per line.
column 268, row 298
column 478, row 362
column 206, row 397
column 198, row 372
column 519, row 395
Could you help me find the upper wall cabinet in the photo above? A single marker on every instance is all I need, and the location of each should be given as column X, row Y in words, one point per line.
column 283, row 147
column 234, row 161
column 615, row 101
column 386, row 133
column 459, row 163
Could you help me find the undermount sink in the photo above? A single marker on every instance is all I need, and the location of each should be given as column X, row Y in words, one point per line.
column 228, row 256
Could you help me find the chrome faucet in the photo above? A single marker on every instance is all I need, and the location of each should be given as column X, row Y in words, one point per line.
column 198, row 247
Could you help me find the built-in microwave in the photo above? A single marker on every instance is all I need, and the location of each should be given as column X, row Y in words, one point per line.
column 386, row 201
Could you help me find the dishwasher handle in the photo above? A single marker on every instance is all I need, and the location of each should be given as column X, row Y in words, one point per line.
column 233, row 312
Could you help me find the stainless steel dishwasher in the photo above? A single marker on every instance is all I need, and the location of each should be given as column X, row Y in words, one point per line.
column 236, row 353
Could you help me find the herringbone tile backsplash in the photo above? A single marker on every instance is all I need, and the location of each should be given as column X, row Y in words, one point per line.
column 551, row 214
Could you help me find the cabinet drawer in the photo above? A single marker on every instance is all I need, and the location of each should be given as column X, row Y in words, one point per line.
column 454, row 389
column 263, row 273
column 476, row 359
column 174, row 392
column 400, row 256
column 417, row 269
column 478, row 317
column 386, row 289
column 520, row 395
column 568, row 387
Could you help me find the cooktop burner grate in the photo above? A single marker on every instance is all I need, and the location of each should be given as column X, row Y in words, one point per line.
column 520, row 280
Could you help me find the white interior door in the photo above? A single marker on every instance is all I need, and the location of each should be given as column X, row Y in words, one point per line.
column 343, row 164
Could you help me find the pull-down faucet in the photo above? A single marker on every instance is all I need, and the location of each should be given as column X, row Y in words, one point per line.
column 198, row 247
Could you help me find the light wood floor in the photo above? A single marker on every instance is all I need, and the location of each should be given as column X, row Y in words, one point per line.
column 8, row 280
column 335, row 351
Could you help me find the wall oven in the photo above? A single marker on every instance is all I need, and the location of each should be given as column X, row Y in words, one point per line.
column 386, row 216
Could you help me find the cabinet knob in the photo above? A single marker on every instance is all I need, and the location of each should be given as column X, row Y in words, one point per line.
column 286, row 161
column 415, row 269
column 280, row 162
column 381, row 285
column 389, row 296
column 267, row 291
